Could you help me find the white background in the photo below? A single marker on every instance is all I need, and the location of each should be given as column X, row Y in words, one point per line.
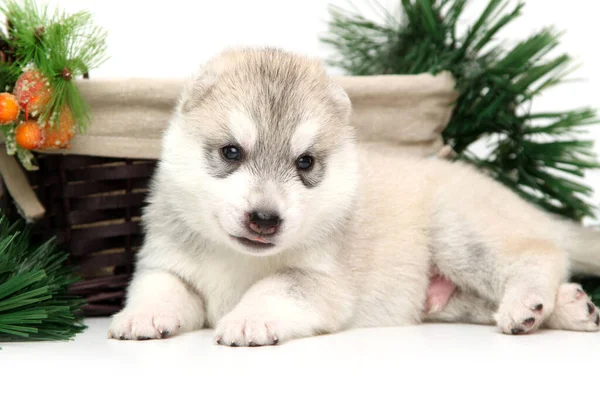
column 171, row 38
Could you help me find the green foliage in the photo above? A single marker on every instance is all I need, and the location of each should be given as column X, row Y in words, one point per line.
column 592, row 287
column 61, row 47
column 8, row 76
column 535, row 154
column 34, row 303
column 8, row 72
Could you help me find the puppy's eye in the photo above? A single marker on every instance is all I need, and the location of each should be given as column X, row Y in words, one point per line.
column 231, row 153
column 305, row 162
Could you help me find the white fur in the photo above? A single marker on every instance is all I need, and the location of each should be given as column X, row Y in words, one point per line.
column 304, row 136
column 243, row 129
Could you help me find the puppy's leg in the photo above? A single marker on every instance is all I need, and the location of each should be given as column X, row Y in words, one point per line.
column 520, row 275
column 514, row 269
column 159, row 304
column 532, row 274
column 292, row 303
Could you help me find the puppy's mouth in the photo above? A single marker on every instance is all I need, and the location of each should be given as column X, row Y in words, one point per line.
column 254, row 242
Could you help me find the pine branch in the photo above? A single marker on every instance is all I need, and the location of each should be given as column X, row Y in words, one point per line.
column 61, row 47
column 34, row 282
column 8, row 72
column 496, row 84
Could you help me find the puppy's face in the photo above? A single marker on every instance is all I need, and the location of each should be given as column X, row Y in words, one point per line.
column 262, row 152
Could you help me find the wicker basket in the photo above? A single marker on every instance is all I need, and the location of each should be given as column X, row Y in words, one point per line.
column 93, row 207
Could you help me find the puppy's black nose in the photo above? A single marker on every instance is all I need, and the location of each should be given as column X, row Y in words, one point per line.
column 264, row 220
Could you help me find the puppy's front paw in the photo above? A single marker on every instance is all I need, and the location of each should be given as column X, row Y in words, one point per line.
column 143, row 325
column 239, row 329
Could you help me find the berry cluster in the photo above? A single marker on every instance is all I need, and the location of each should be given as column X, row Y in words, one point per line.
column 31, row 94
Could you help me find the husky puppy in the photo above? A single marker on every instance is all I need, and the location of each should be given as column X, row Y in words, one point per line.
column 267, row 222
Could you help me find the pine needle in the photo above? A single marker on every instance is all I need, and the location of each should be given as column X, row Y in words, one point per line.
column 34, row 282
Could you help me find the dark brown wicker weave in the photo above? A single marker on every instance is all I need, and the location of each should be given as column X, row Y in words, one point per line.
column 93, row 207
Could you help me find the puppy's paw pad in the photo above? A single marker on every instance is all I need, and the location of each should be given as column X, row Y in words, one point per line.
column 236, row 331
column 574, row 310
column 520, row 315
column 132, row 325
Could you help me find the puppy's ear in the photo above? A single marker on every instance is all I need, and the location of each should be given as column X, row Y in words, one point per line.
column 341, row 100
column 197, row 87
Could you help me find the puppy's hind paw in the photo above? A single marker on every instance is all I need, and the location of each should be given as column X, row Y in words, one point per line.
column 520, row 315
column 574, row 310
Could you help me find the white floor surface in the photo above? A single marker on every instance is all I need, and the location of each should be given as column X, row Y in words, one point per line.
column 420, row 362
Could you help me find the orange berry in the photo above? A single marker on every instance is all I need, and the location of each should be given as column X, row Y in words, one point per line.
column 9, row 109
column 29, row 135
column 58, row 135
column 32, row 91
